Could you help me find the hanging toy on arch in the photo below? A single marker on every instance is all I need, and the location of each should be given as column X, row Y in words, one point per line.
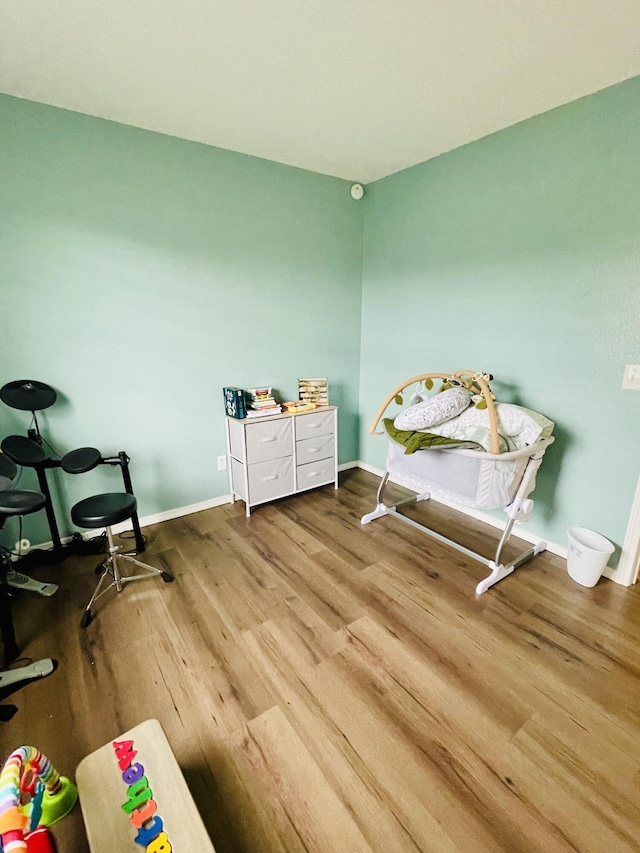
column 33, row 796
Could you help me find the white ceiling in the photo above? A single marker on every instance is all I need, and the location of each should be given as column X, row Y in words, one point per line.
column 352, row 88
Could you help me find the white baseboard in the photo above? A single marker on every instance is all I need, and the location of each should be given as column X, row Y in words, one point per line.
column 521, row 532
column 154, row 518
column 366, row 467
column 167, row 515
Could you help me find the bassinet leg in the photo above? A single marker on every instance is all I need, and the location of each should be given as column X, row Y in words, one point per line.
column 518, row 510
column 383, row 483
column 498, row 572
column 378, row 512
column 506, row 533
column 382, row 509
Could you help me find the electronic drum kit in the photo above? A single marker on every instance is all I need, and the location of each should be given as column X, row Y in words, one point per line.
column 27, row 451
column 24, row 451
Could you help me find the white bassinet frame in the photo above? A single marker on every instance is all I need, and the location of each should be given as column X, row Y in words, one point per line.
column 518, row 507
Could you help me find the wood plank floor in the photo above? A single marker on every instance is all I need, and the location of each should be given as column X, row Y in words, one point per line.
column 332, row 687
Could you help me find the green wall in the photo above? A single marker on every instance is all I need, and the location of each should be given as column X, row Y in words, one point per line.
column 141, row 273
column 519, row 254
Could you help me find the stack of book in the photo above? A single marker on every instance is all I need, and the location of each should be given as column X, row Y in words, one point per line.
column 314, row 391
column 261, row 402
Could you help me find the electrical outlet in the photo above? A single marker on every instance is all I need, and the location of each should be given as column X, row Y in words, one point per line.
column 222, row 463
column 631, row 378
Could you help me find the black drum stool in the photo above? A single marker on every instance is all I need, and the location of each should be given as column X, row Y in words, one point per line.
column 104, row 511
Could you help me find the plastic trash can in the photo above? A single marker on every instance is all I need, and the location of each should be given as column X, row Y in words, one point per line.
column 587, row 556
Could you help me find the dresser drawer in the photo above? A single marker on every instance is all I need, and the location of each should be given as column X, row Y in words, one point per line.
column 270, row 480
column 271, row 439
column 316, row 474
column 315, row 423
column 312, row 449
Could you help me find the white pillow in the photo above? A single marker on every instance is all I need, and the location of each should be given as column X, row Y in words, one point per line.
column 436, row 410
column 520, row 426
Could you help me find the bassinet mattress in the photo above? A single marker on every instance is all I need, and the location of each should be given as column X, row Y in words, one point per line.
column 471, row 478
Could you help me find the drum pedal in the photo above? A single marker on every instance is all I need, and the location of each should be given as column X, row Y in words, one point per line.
column 39, row 669
column 19, row 581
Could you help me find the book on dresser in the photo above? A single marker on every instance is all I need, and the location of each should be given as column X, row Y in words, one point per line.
column 314, row 391
column 266, row 403
column 263, row 413
column 234, row 402
column 260, row 391
column 260, row 400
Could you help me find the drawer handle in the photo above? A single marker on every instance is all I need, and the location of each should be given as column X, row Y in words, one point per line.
column 314, row 426
column 271, row 477
column 314, row 449
column 313, row 474
column 269, row 438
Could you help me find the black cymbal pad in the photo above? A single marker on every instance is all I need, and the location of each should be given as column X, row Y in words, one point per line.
column 80, row 460
column 23, row 450
column 28, row 395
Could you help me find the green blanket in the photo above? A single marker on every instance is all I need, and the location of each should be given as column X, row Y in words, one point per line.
column 413, row 440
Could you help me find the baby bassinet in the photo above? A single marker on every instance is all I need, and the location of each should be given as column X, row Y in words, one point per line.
column 475, row 478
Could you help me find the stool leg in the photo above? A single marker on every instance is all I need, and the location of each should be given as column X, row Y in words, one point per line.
column 87, row 616
column 112, row 568
column 113, row 553
column 166, row 577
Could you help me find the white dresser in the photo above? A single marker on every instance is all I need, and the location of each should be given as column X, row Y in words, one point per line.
column 272, row 457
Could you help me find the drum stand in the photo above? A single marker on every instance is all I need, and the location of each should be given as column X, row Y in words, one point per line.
column 27, row 395
column 16, row 502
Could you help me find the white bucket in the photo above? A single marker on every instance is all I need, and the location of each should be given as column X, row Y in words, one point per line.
column 587, row 556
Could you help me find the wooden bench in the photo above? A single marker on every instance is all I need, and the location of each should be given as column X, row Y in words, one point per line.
column 134, row 797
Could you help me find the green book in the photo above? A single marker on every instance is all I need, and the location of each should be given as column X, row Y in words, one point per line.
column 234, row 402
